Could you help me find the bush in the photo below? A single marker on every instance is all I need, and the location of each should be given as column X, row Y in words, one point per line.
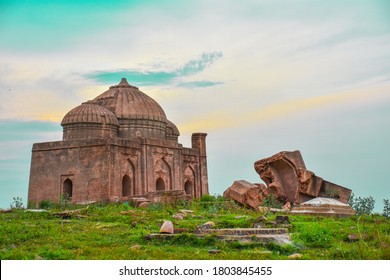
column 45, row 204
column 208, row 198
column 17, row 203
column 271, row 201
column 363, row 205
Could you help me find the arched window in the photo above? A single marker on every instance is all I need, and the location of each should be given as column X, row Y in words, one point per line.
column 126, row 186
column 67, row 189
column 188, row 186
column 160, row 185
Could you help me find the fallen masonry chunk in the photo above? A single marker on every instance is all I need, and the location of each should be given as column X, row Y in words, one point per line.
column 167, row 227
column 285, row 174
column 246, row 193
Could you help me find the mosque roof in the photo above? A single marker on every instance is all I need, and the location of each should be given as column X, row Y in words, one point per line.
column 128, row 102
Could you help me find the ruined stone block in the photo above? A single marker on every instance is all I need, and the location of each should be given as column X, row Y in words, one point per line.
column 322, row 206
column 246, row 193
column 285, row 174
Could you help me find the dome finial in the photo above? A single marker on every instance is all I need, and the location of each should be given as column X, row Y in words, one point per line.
column 124, row 82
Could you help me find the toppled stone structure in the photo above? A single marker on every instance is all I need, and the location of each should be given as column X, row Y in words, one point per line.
column 246, row 193
column 286, row 176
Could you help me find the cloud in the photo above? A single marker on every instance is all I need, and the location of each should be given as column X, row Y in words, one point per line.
column 198, row 84
column 223, row 119
column 161, row 77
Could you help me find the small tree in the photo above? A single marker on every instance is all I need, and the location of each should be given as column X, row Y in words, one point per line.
column 364, row 205
column 17, row 203
column 386, row 208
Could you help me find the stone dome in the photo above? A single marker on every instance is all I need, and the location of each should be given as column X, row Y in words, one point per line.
column 128, row 102
column 89, row 113
column 89, row 120
column 172, row 132
column 139, row 115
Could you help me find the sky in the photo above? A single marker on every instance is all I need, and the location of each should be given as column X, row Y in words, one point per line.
column 258, row 76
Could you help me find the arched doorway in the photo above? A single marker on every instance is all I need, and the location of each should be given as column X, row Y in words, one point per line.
column 126, row 186
column 67, row 189
column 188, row 186
column 189, row 181
column 160, row 184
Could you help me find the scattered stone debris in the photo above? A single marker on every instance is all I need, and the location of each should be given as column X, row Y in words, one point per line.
column 178, row 216
column 36, row 210
column 263, row 210
column 186, row 212
column 287, row 206
column 354, row 237
column 67, row 214
column 246, row 193
column 167, row 227
column 144, row 204
column 286, row 176
column 322, row 206
column 277, row 210
column 260, row 222
column 139, row 201
column 282, row 220
column 166, row 197
column 208, row 225
column 135, row 247
column 295, row 256
column 88, row 202
column 245, row 235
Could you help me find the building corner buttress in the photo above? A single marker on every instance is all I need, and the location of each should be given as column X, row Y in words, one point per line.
column 199, row 143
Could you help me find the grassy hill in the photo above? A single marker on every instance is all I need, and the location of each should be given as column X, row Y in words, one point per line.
column 117, row 231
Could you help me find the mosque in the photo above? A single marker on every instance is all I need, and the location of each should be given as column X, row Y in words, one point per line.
column 117, row 146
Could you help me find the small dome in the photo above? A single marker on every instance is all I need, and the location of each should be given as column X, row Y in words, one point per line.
column 90, row 113
column 172, row 132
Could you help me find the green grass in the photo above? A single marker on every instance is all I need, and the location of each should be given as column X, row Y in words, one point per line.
column 111, row 231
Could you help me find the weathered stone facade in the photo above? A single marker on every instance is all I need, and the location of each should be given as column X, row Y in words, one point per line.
column 116, row 146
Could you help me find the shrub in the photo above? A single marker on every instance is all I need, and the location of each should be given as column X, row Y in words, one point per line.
column 17, row 203
column 362, row 205
column 207, row 198
column 271, row 201
column 45, row 204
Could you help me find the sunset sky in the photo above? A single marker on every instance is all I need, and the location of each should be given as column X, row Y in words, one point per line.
column 259, row 76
